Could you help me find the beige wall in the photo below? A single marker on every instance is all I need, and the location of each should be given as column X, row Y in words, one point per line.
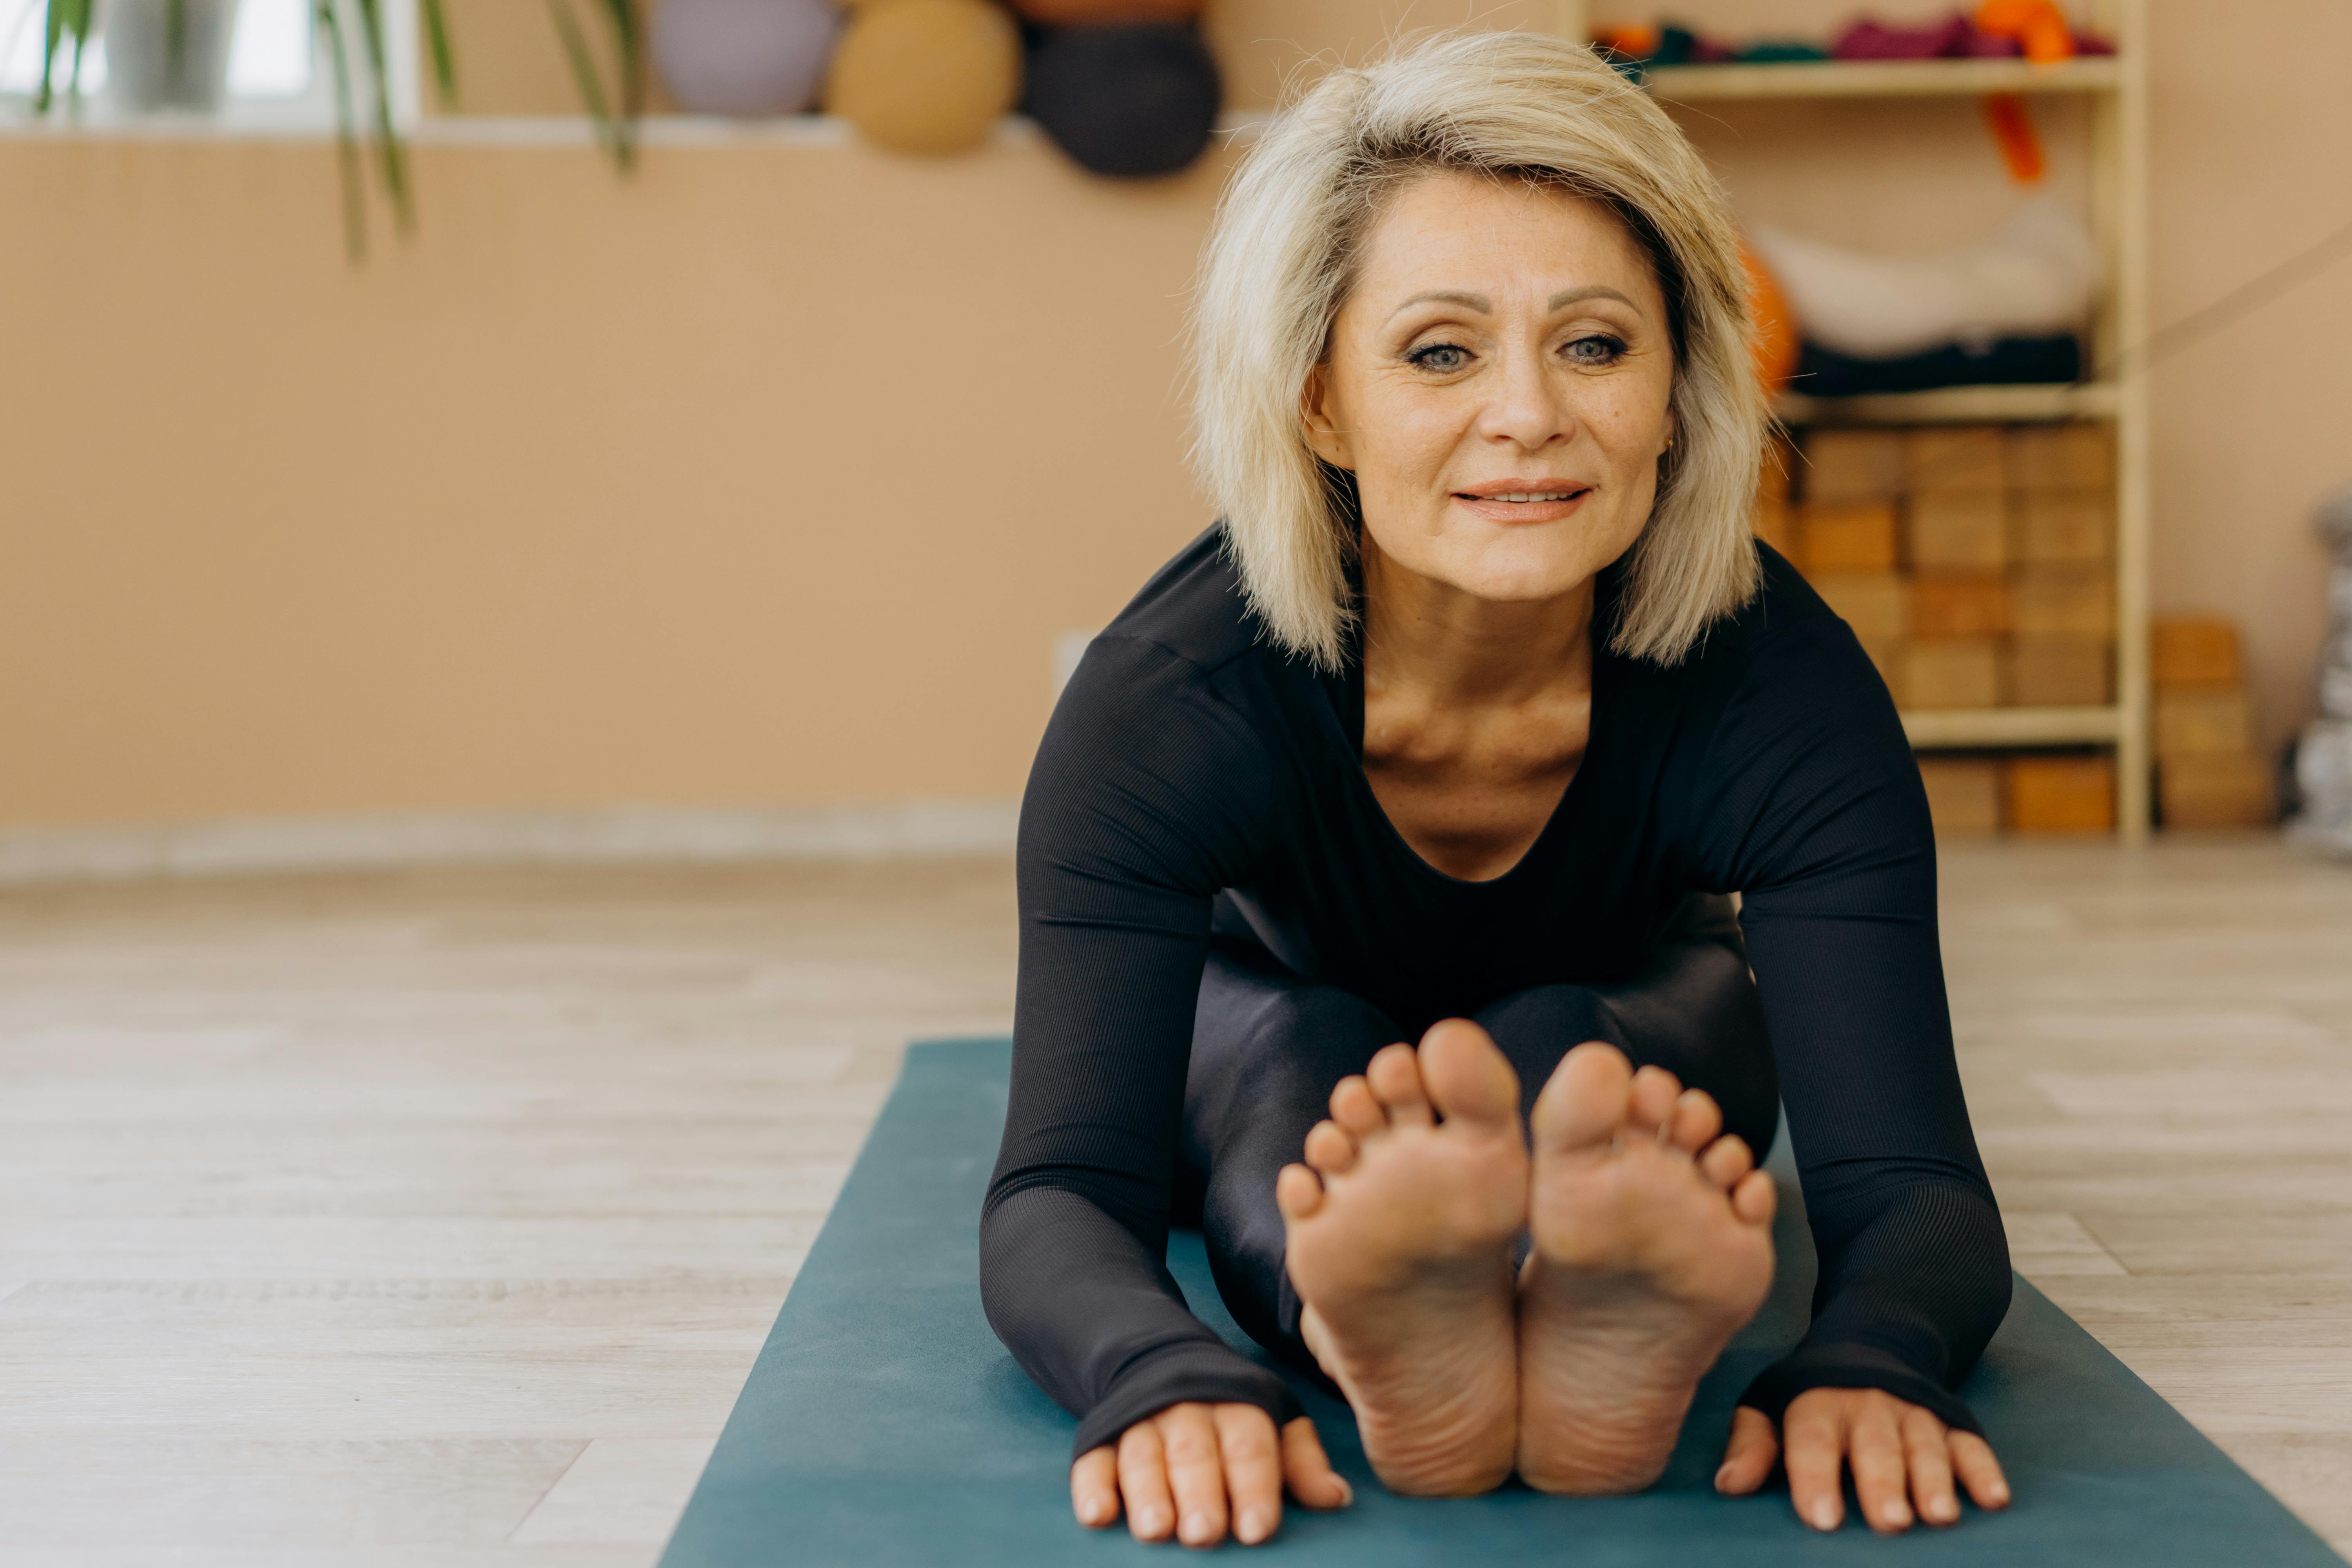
column 771, row 476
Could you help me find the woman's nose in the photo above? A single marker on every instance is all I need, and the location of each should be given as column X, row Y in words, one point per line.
column 1529, row 408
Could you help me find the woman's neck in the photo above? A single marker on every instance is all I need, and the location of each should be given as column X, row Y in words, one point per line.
column 1455, row 650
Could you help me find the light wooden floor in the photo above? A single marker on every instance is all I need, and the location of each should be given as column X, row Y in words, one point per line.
column 435, row 1219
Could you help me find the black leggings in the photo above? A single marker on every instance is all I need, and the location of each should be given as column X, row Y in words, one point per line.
column 1268, row 1048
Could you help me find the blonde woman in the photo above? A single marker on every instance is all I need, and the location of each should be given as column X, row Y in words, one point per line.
column 1456, row 730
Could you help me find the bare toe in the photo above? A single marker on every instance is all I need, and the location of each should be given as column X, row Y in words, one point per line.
column 1656, row 1091
column 1726, row 1161
column 1297, row 1192
column 1755, row 1199
column 1395, row 1077
column 1584, row 1103
column 1696, row 1122
column 1357, row 1109
column 1466, row 1076
column 1330, row 1149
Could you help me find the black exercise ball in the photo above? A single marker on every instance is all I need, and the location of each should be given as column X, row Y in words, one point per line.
column 1131, row 98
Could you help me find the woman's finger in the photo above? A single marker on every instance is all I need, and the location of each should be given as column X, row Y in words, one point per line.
column 1926, row 1447
column 1979, row 1471
column 1307, row 1469
column 1253, row 1461
column 1748, row 1457
column 1813, row 1431
column 1143, row 1482
column 1094, row 1486
column 1875, row 1453
column 1196, row 1472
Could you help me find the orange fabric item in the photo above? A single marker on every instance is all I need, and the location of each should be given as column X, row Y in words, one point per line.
column 1635, row 42
column 1775, row 343
column 2013, row 130
column 2038, row 25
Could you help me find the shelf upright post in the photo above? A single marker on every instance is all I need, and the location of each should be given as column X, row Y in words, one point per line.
column 2122, row 121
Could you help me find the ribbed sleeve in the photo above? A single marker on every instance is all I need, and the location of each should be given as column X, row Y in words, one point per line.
column 1148, row 796
column 1810, row 804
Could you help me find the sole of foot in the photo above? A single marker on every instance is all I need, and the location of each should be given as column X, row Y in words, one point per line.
column 1653, row 1245
column 1398, row 1235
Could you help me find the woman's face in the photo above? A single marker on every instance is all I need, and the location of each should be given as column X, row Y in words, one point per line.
column 1498, row 382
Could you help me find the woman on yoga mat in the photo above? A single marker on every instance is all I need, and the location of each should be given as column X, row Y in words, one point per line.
column 1458, row 729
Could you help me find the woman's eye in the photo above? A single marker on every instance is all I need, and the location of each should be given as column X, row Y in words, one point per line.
column 1439, row 357
column 1597, row 350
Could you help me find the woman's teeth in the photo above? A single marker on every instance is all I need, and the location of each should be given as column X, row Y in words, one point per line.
column 1560, row 495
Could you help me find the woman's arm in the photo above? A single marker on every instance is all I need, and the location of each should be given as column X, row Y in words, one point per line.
column 1146, row 796
column 1810, row 803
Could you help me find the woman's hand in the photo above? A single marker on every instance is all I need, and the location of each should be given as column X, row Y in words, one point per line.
column 1902, row 1457
column 1189, row 1469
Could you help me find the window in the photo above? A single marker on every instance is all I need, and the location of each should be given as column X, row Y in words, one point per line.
column 279, row 76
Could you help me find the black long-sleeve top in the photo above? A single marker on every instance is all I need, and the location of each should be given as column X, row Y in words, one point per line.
column 1192, row 773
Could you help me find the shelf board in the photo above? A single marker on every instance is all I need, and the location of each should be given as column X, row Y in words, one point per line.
column 1882, row 78
column 1931, row 729
column 1954, row 405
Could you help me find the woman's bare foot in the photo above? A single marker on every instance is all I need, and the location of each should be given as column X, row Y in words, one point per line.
column 1401, row 1253
column 1653, row 1245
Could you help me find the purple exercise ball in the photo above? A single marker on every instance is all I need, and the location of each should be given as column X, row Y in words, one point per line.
column 747, row 58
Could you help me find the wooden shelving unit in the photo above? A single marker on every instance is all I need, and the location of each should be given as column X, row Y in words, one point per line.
column 2117, row 87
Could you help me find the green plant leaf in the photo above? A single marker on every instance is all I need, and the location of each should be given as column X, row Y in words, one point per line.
column 347, row 135
column 444, row 55
column 392, row 155
column 591, row 83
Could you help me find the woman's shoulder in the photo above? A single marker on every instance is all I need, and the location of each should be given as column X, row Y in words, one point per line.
column 1194, row 608
column 1784, row 628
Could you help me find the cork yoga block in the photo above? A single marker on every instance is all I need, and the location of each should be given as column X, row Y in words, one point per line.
column 2060, row 794
column 1958, row 672
column 2078, row 457
column 2216, row 790
column 2193, row 650
column 1957, row 531
column 1955, row 459
column 2076, row 601
column 2217, row 720
column 1776, row 525
column 2059, row 672
column 1845, row 465
column 1858, row 536
column 2065, row 526
column 1890, row 656
column 1877, row 605
column 1952, row 604
column 1963, row 794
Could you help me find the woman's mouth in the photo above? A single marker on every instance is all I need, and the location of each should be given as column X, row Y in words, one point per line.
column 1523, row 500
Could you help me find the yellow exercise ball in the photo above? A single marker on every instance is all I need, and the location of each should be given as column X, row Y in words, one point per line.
column 926, row 75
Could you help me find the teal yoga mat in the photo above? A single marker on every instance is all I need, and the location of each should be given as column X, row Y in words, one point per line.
column 883, row 1425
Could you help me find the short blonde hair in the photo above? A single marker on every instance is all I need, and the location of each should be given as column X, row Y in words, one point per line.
column 1282, row 259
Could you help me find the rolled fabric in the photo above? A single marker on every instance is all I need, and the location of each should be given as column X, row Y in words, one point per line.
column 2005, row 362
column 743, row 57
column 2033, row 278
column 1132, row 99
column 926, row 75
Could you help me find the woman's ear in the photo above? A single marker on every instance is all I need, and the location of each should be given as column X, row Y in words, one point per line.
column 1324, row 436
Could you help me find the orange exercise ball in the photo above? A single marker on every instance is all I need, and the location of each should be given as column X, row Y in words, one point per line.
column 926, row 75
column 1775, row 343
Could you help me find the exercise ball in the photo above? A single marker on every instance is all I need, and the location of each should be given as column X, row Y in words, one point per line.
column 743, row 57
column 926, row 75
column 1080, row 12
column 1132, row 99
column 1776, row 344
